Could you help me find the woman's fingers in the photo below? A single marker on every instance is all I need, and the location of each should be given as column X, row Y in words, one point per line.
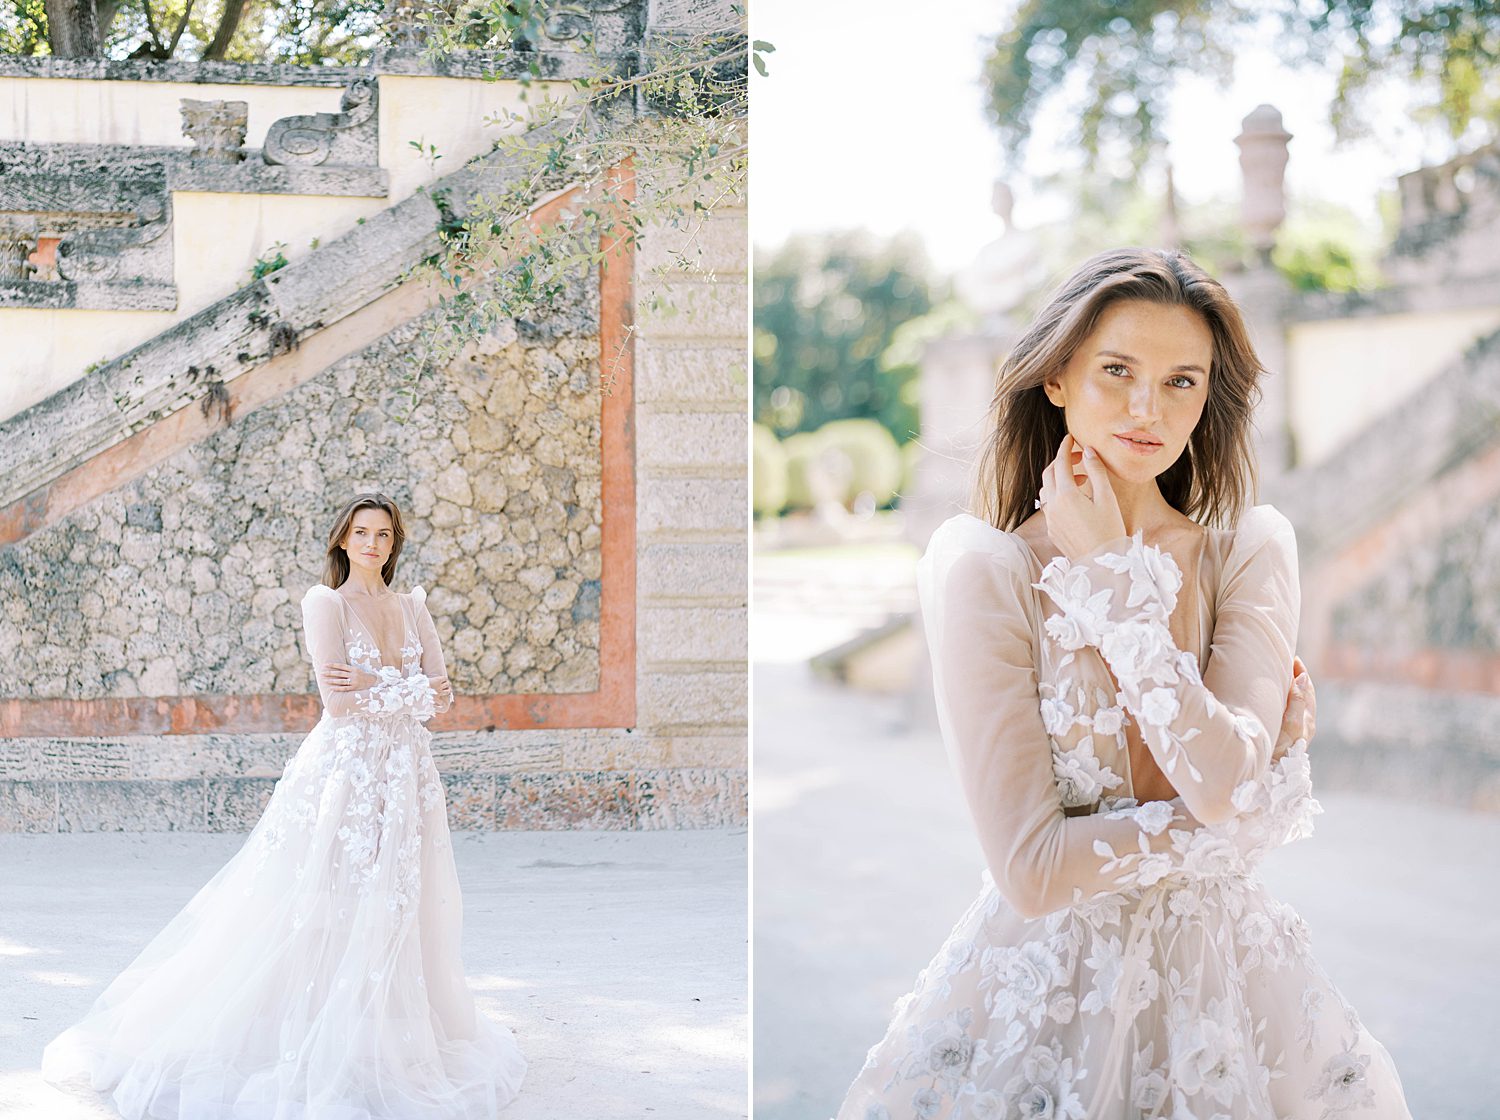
column 1093, row 467
column 1102, row 493
column 1062, row 467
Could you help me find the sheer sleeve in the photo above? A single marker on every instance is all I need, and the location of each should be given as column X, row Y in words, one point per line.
column 433, row 665
column 977, row 608
column 391, row 694
column 1211, row 733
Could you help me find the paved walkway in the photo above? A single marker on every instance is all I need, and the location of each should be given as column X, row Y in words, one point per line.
column 619, row 959
column 864, row 858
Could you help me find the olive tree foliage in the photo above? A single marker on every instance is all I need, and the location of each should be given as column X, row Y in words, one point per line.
column 309, row 32
column 1120, row 56
column 649, row 149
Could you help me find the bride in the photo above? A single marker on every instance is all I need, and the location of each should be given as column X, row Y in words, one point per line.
column 1112, row 643
column 318, row 974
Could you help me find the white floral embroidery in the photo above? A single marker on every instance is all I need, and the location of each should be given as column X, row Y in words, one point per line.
column 1232, row 1014
column 1043, row 1090
column 1109, row 721
column 1081, row 778
column 1066, row 631
column 355, row 780
column 1021, row 977
column 1057, row 715
column 1206, row 1053
column 1148, row 1083
column 1159, row 707
column 1154, row 816
column 1343, row 1086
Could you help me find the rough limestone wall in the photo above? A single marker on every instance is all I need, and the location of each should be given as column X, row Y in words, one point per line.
column 187, row 580
column 1444, row 595
column 1413, row 708
column 682, row 765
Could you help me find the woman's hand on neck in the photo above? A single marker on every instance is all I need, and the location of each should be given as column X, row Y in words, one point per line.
column 1086, row 505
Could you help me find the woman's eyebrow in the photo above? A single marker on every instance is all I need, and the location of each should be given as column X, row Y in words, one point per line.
column 1129, row 358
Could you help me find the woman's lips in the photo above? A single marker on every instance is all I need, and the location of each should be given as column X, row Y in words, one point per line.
column 1139, row 447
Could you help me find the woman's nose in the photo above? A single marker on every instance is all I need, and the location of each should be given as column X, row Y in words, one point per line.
column 1145, row 403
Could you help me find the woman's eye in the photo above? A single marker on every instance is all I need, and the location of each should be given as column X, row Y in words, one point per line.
column 1182, row 381
column 1110, row 369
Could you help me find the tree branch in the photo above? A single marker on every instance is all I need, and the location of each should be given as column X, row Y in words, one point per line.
column 229, row 23
column 187, row 14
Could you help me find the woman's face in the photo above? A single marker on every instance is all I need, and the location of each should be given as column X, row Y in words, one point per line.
column 1136, row 387
column 369, row 540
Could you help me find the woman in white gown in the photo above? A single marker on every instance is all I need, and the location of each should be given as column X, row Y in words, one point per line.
column 317, row 976
column 1112, row 643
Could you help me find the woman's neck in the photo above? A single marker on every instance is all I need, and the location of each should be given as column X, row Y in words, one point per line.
column 362, row 582
column 1142, row 506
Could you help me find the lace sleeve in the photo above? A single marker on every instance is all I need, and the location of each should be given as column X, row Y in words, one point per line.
column 433, row 665
column 976, row 607
column 1214, row 733
column 392, row 694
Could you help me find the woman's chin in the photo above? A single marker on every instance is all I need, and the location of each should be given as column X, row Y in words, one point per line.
column 1137, row 470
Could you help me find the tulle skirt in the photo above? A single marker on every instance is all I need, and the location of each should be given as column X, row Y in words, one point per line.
column 1196, row 998
column 317, row 975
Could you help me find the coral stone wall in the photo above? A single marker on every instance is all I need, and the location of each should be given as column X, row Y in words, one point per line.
column 189, row 579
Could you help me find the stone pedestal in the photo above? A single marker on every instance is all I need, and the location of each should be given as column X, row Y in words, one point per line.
column 216, row 128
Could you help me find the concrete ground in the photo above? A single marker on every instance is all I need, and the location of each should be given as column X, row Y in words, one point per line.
column 864, row 858
column 619, row 959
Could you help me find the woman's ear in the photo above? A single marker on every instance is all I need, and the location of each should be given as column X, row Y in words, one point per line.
column 1053, row 388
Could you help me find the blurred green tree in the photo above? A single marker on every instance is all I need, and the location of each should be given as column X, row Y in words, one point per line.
column 826, row 310
column 1121, row 55
column 309, row 32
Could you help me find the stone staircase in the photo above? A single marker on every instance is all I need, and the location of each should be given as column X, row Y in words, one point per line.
column 162, row 511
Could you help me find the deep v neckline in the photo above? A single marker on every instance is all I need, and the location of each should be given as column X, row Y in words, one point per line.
column 400, row 660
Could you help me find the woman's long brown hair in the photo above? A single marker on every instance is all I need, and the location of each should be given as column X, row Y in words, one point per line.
column 1215, row 474
column 336, row 561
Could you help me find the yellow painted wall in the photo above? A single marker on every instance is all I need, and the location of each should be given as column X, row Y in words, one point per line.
column 78, row 111
column 217, row 238
column 1344, row 373
column 449, row 113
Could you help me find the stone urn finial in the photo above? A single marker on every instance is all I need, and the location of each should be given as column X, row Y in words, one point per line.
column 216, row 128
column 1003, row 203
column 1263, row 142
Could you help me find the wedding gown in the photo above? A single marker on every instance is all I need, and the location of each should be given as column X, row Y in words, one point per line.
column 1114, row 967
column 317, row 975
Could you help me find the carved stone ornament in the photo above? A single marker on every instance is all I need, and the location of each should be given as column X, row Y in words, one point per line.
column 216, row 128
column 348, row 137
column 15, row 247
column 694, row 16
column 141, row 253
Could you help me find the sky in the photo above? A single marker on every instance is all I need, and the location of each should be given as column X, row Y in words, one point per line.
column 873, row 118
